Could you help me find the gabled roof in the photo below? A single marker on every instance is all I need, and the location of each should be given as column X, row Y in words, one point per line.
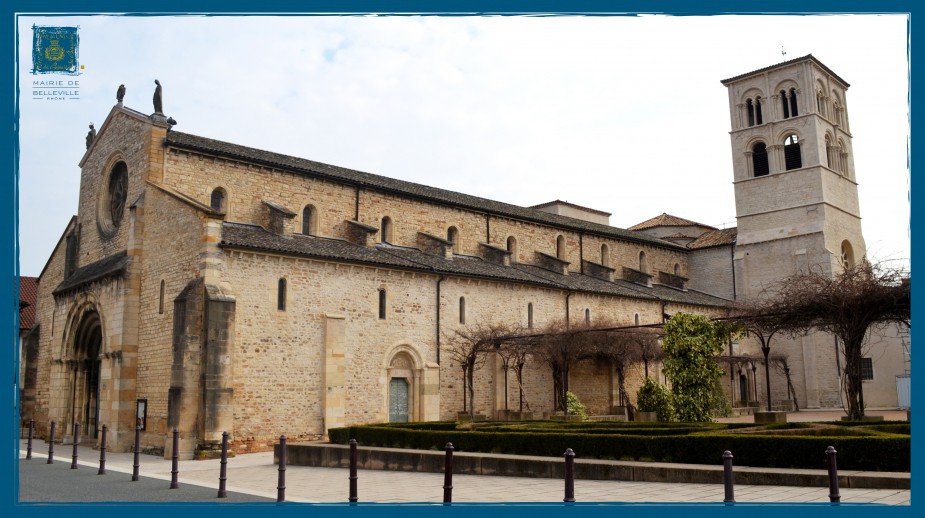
column 667, row 220
column 808, row 57
column 311, row 168
column 28, row 294
column 251, row 237
column 115, row 264
column 726, row 236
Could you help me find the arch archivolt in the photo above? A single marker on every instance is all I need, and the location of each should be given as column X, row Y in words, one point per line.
column 404, row 361
column 86, row 304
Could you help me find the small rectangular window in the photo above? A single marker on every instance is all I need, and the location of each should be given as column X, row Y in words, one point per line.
column 867, row 369
column 381, row 304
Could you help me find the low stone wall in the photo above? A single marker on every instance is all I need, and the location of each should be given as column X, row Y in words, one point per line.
column 464, row 463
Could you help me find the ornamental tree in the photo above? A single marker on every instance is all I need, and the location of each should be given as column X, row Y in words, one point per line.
column 690, row 345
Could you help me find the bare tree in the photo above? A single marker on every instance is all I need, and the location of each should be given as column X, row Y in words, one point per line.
column 560, row 345
column 781, row 364
column 757, row 317
column 468, row 347
column 514, row 355
column 847, row 304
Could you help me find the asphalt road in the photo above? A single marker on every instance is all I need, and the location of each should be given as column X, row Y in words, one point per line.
column 57, row 482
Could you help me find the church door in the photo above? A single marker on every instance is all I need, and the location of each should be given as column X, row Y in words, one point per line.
column 398, row 400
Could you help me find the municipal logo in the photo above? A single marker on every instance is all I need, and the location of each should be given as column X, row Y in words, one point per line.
column 54, row 50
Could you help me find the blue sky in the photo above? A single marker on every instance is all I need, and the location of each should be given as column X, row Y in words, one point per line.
column 621, row 114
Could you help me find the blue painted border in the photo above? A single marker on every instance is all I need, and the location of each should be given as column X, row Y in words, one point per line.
column 9, row 113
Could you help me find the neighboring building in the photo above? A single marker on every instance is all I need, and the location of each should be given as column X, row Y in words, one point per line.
column 211, row 287
column 28, row 294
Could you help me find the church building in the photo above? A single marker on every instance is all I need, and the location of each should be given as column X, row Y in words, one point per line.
column 208, row 286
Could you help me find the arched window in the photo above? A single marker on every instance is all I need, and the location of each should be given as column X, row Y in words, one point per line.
column 643, row 264
column 587, row 316
column 828, row 152
column 512, row 247
column 760, row 159
column 160, row 302
column 793, row 102
column 750, row 108
column 281, row 295
column 382, row 304
column 309, row 220
column 385, row 230
column 847, row 255
column 758, row 111
column 636, row 319
column 530, row 315
column 792, row 157
column 560, row 247
column 785, row 104
column 217, row 202
column 452, row 235
column 677, row 269
column 605, row 255
column 462, row 310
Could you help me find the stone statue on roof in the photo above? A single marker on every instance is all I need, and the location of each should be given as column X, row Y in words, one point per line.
column 158, row 100
column 91, row 136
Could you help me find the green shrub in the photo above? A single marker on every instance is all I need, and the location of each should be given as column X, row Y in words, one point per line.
column 575, row 407
column 655, row 397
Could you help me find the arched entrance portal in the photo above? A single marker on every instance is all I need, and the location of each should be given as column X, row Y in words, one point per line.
column 84, row 376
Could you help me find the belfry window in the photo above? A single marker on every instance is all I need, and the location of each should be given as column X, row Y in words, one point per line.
column 750, row 108
column 785, row 104
column 760, row 160
column 793, row 102
column 792, row 157
column 758, row 111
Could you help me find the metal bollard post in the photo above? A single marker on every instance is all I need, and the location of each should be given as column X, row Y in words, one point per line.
column 281, row 484
column 76, row 441
column 174, row 467
column 51, row 444
column 727, row 476
column 569, row 476
column 353, row 471
column 102, row 470
column 223, row 471
column 29, row 443
column 137, row 447
column 448, row 474
column 834, row 496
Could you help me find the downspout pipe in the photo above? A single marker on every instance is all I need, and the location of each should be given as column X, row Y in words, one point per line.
column 439, row 282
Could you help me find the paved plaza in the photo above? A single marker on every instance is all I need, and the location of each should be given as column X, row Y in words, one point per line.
column 253, row 477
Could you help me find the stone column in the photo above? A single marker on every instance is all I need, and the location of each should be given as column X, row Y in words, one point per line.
column 335, row 372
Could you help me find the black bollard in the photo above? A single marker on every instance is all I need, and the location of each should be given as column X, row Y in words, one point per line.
column 102, row 470
column 76, row 441
column 281, row 484
column 223, row 470
column 29, row 442
column 569, row 476
column 353, row 471
column 137, row 447
column 174, row 467
column 448, row 474
column 51, row 444
column 727, row 476
column 834, row 496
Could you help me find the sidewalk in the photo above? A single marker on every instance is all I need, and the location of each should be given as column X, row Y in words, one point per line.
column 254, row 474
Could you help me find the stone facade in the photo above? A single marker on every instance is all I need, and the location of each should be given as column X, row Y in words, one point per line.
column 238, row 290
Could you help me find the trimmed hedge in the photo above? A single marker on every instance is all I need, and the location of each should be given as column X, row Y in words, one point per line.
column 880, row 452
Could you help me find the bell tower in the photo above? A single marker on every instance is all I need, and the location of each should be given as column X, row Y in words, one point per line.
column 794, row 180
